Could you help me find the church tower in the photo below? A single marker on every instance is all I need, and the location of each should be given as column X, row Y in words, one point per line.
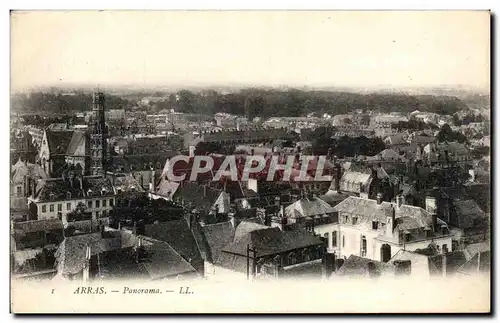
column 98, row 136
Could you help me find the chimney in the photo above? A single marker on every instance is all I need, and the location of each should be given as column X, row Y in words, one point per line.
column 267, row 220
column 431, row 207
column 284, row 223
column 379, row 198
column 205, row 190
column 399, row 201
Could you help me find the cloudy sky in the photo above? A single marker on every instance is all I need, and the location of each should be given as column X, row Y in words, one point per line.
column 363, row 49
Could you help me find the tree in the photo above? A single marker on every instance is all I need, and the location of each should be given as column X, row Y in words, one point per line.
column 446, row 134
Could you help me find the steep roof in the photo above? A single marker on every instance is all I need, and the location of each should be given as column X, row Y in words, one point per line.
column 70, row 256
column 178, row 235
column 467, row 212
column 76, row 146
column 58, row 141
column 217, row 236
column 407, row 216
column 201, row 197
column 20, row 169
column 308, row 208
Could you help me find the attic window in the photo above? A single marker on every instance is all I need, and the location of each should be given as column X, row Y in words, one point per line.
column 407, row 236
column 89, row 192
column 354, row 220
column 374, row 225
column 103, row 191
column 68, row 195
column 428, row 232
column 51, row 196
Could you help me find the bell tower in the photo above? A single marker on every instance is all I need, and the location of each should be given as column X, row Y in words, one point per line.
column 98, row 136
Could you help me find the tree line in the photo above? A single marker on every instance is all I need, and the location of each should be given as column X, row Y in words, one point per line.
column 251, row 102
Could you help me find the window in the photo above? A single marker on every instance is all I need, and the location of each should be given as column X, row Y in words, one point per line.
column 363, row 246
column 334, row 238
column 445, row 248
column 89, row 204
column 346, row 219
column 374, row 225
column 97, row 214
column 44, row 208
column 19, row 190
column 104, row 203
column 68, row 195
column 59, row 207
column 343, row 240
column 68, row 206
column 97, row 203
column 354, row 220
column 111, row 202
column 51, row 207
column 407, row 236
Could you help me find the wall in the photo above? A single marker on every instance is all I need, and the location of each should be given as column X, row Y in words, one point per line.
column 54, row 214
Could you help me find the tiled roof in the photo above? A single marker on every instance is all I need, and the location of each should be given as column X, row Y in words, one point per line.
column 178, row 235
column 70, row 255
column 200, row 197
column 308, row 208
column 19, row 170
column 59, row 188
column 38, row 226
column 407, row 216
column 127, row 183
column 358, row 267
column 245, row 228
column 271, row 241
column 77, row 144
column 480, row 262
column 467, row 212
column 217, row 236
column 163, row 261
column 397, row 139
column 58, row 141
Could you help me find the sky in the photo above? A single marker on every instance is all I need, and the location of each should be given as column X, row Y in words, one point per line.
column 267, row 48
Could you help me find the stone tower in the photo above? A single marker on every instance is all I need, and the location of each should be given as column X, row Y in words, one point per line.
column 98, row 136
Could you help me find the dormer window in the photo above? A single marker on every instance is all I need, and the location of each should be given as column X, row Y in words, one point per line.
column 428, row 232
column 354, row 220
column 89, row 192
column 103, row 191
column 346, row 218
column 407, row 236
column 374, row 225
column 52, row 196
column 68, row 195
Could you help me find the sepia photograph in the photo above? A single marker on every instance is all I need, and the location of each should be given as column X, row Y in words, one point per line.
column 259, row 162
